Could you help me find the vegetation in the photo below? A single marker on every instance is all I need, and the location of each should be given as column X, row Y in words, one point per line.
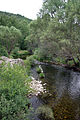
column 16, row 53
column 9, row 37
column 18, row 21
column 28, row 63
column 13, row 29
column 3, row 51
column 54, row 37
column 13, row 94
column 45, row 112
column 56, row 32
column 38, row 70
column 41, row 75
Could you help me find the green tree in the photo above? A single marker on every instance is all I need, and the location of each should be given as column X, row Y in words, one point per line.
column 9, row 37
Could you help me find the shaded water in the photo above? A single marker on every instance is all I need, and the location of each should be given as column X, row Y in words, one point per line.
column 63, row 92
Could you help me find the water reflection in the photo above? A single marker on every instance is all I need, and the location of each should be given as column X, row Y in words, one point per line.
column 63, row 94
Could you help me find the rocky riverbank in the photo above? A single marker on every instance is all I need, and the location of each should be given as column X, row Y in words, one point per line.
column 71, row 67
column 35, row 85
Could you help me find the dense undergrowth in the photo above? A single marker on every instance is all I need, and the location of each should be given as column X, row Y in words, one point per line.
column 14, row 89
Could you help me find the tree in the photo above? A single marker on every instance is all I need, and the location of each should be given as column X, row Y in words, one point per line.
column 9, row 37
column 61, row 36
column 52, row 6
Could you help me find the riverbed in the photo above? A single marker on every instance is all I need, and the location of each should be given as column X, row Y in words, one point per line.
column 63, row 93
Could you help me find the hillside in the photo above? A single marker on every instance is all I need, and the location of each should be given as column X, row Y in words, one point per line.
column 10, row 20
column 9, row 16
column 16, row 20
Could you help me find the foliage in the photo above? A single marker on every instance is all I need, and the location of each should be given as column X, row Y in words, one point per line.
column 13, row 93
column 29, row 62
column 45, row 112
column 27, row 66
column 60, row 60
column 9, row 37
column 55, row 35
column 38, row 70
column 36, row 28
column 23, row 54
column 31, row 59
column 16, row 53
column 18, row 21
column 3, row 51
column 41, row 75
column 56, row 32
column 70, row 63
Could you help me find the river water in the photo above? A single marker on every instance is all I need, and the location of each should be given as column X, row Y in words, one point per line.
column 63, row 93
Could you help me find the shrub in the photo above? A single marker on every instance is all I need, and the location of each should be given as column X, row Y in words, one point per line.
column 45, row 113
column 14, row 88
column 31, row 60
column 41, row 75
column 19, row 54
column 38, row 70
column 15, row 52
column 36, row 56
column 70, row 63
column 3, row 51
column 27, row 65
column 23, row 54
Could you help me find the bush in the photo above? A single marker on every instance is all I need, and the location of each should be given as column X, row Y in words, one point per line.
column 27, row 65
column 45, row 113
column 3, row 51
column 38, row 70
column 70, row 63
column 23, row 54
column 19, row 54
column 15, row 52
column 41, row 75
column 14, row 88
column 29, row 62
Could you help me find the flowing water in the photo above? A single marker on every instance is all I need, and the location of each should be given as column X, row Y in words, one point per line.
column 63, row 93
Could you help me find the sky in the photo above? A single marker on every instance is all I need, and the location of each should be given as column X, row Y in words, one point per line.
column 27, row 8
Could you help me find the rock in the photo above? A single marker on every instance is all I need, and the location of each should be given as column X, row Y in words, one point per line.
column 40, row 63
column 12, row 61
column 36, row 87
column 4, row 58
column 1, row 62
column 41, row 68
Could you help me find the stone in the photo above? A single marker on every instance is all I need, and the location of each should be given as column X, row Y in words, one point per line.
column 12, row 61
column 36, row 87
column 1, row 62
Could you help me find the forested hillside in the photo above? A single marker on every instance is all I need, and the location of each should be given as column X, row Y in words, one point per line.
column 13, row 30
column 9, row 16
column 16, row 20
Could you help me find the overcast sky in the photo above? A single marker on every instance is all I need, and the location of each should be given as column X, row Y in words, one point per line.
column 27, row 8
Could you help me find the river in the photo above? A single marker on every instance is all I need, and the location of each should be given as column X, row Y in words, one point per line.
column 63, row 93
